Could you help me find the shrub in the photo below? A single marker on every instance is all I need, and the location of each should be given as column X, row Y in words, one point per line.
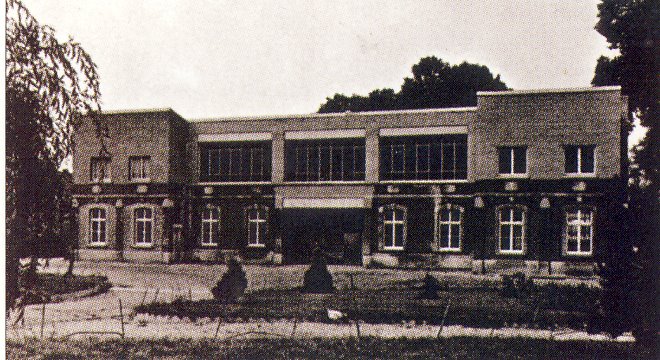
column 516, row 285
column 232, row 285
column 317, row 278
column 430, row 287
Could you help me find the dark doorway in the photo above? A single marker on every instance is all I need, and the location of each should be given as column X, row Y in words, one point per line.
column 338, row 232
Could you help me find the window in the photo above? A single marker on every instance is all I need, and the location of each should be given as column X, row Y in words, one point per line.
column 441, row 157
column 511, row 230
column 394, row 227
column 97, row 227
column 450, row 228
column 513, row 160
column 139, row 168
column 143, row 226
column 579, row 159
column 235, row 161
column 579, row 232
column 324, row 160
column 99, row 169
column 210, row 227
column 256, row 226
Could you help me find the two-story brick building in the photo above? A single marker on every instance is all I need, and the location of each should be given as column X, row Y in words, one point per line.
column 531, row 180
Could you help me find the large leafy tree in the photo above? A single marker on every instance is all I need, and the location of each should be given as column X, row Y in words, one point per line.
column 631, row 27
column 434, row 84
column 48, row 85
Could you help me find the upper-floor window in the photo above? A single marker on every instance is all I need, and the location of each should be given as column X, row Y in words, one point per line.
column 143, row 225
column 235, row 161
column 325, row 160
column 139, row 168
column 393, row 225
column 449, row 223
column 578, row 236
column 257, row 224
column 99, row 169
column 210, row 226
column 511, row 229
column 97, row 226
column 441, row 157
column 513, row 160
column 579, row 159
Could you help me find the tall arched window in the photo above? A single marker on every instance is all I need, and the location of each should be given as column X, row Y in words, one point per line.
column 578, row 233
column 450, row 229
column 511, row 229
column 210, row 227
column 257, row 225
column 394, row 221
column 97, row 226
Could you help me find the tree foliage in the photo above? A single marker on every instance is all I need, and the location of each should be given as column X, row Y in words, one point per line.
column 48, row 85
column 434, row 84
column 631, row 27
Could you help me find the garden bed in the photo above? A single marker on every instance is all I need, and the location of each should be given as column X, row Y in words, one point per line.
column 57, row 287
column 547, row 306
column 366, row 348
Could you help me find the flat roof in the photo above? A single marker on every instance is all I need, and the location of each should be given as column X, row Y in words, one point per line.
column 549, row 91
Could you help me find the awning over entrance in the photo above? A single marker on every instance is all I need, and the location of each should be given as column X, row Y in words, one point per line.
column 324, row 203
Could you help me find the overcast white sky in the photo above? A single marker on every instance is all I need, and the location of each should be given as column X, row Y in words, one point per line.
column 222, row 58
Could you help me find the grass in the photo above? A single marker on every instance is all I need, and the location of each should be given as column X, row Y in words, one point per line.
column 477, row 305
column 371, row 348
column 51, row 286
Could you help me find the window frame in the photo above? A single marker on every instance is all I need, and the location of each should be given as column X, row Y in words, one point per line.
column 211, row 221
column 144, row 220
column 107, row 176
column 578, row 154
column 100, row 219
column 394, row 222
column 259, row 222
column 439, row 223
column 338, row 160
column 235, row 161
column 579, row 224
column 144, row 162
column 511, row 224
column 512, row 160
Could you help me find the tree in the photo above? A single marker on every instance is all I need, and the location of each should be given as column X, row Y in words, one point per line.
column 48, row 85
column 434, row 84
column 631, row 27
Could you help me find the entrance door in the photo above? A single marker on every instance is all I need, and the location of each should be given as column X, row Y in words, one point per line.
column 337, row 232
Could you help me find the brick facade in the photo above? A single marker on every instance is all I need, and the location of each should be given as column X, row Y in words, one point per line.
column 349, row 220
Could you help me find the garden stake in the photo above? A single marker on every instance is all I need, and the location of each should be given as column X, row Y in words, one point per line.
column 121, row 317
column 357, row 328
column 190, row 294
column 43, row 318
column 442, row 324
column 295, row 324
column 350, row 276
column 144, row 297
column 156, row 295
column 217, row 329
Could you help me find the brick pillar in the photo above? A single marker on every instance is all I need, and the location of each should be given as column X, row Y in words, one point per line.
column 367, row 236
column 372, row 155
column 278, row 157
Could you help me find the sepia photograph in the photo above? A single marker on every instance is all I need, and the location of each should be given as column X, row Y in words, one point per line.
column 233, row 179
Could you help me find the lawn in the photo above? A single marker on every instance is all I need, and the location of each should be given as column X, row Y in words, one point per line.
column 52, row 287
column 371, row 348
column 474, row 304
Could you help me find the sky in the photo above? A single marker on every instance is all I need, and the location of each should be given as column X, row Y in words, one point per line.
column 236, row 58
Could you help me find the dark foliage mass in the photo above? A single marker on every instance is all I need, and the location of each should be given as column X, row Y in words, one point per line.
column 317, row 278
column 434, row 84
column 430, row 287
column 231, row 287
column 630, row 273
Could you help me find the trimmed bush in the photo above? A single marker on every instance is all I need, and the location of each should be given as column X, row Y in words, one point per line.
column 232, row 285
column 318, row 279
column 430, row 287
column 516, row 286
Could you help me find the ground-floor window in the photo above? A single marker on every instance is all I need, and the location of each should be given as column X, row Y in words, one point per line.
column 578, row 236
column 210, row 227
column 144, row 219
column 97, row 226
column 394, row 219
column 257, row 225
column 511, row 229
column 450, row 227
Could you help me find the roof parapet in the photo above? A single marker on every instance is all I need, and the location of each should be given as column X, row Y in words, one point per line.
column 549, row 91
